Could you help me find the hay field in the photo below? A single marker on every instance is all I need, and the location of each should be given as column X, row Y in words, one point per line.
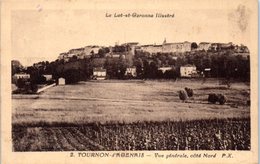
column 131, row 115
column 129, row 101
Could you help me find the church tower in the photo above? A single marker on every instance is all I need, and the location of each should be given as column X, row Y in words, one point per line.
column 164, row 42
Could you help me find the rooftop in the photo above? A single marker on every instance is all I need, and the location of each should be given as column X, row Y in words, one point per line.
column 188, row 65
column 99, row 69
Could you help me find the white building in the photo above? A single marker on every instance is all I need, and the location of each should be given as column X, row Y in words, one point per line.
column 152, row 49
column 99, row 74
column 48, row 77
column 188, row 70
column 164, row 69
column 131, row 71
column 91, row 50
column 61, row 81
column 176, row 47
column 21, row 76
column 204, row 46
column 70, row 55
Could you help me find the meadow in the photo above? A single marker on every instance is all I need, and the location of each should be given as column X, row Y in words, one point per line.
column 101, row 112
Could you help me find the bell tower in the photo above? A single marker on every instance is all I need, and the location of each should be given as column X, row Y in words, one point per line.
column 164, row 42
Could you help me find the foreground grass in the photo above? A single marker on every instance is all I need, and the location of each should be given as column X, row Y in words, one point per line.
column 205, row 134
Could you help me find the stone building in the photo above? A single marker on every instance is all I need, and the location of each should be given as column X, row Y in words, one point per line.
column 90, row 50
column 204, row 46
column 152, row 49
column 99, row 73
column 61, row 81
column 188, row 70
column 131, row 71
column 176, row 47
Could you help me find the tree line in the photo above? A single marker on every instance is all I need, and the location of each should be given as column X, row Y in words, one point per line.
column 223, row 64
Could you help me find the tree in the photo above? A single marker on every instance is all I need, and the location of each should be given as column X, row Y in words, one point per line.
column 170, row 74
column 153, row 68
column 194, row 45
column 101, row 53
column 138, row 63
column 111, row 66
column 72, row 76
column 20, row 83
column 121, row 68
column 16, row 67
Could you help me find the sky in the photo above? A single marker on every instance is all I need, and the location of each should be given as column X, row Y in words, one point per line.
column 40, row 35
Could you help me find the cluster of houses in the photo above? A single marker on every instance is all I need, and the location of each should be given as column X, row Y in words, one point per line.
column 79, row 53
column 186, row 71
column 182, row 47
column 165, row 47
column 26, row 76
column 99, row 73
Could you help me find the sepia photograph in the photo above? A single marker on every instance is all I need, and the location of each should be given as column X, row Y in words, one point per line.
column 106, row 78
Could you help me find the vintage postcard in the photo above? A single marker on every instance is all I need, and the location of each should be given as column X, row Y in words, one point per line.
column 98, row 81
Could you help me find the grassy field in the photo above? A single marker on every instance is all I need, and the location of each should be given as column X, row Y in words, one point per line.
column 62, row 111
column 129, row 102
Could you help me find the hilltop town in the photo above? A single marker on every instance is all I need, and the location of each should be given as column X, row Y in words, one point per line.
column 134, row 61
column 153, row 49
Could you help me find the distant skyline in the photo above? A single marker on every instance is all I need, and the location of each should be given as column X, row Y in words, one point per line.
column 41, row 35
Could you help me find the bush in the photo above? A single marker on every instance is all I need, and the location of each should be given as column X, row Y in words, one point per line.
column 222, row 99
column 72, row 76
column 248, row 102
column 34, row 88
column 50, row 82
column 182, row 95
column 189, row 91
column 20, row 83
column 212, row 98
